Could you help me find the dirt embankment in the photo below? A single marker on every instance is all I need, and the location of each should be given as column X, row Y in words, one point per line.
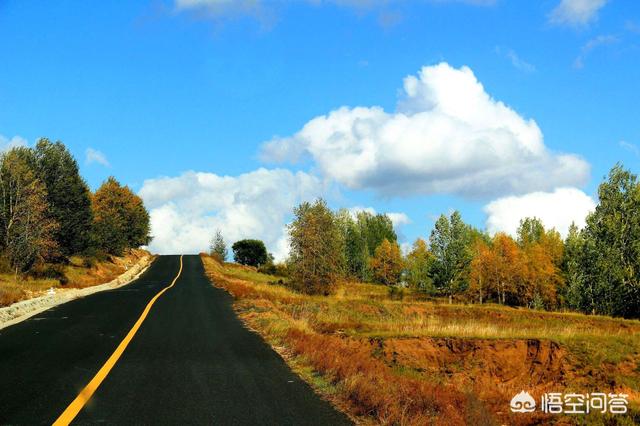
column 130, row 268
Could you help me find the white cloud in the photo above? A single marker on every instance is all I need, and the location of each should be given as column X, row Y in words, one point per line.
column 557, row 209
column 576, row 13
column 263, row 8
column 633, row 148
column 447, row 135
column 187, row 209
column 516, row 60
column 6, row 144
column 95, row 156
column 594, row 43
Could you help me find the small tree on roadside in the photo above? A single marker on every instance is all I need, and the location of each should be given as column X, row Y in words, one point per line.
column 218, row 248
column 249, row 252
column 386, row 263
column 316, row 244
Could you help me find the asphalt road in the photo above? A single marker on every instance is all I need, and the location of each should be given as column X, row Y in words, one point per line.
column 191, row 361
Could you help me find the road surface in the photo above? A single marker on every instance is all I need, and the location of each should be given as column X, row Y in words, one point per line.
column 190, row 362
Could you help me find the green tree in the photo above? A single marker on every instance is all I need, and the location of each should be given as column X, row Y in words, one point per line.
column 530, row 231
column 316, row 242
column 572, row 269
column 611, row 253
column 68, row 196
column 386, row 263
column 120, row 219
column 218, row 248
column 26, row 229
column 375, row 229
column 450, row 243
column 250, row 252
column 418, row 266
column 356, row 251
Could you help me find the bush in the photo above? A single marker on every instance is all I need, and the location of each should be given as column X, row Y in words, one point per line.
column 396, row 293
column 250, row 252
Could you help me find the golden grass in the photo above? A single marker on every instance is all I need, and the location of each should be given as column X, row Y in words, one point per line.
column 77, row 273
column 358, row 314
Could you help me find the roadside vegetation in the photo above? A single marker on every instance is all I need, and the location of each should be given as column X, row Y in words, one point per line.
column 450, row 331
column 54, row 231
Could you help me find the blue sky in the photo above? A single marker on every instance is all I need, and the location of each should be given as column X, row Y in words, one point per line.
column 148, row 91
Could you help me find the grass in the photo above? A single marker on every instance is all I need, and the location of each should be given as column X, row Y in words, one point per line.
column 410, row 361
column 79, row 273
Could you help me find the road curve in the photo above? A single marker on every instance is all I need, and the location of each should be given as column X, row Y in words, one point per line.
column 190, row 362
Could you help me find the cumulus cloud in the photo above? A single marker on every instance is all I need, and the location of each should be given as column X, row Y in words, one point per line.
column 576, row 12
column 557, row 209
column 186, row 210
column 447, row 135
column 8, row 143
column 95, row 156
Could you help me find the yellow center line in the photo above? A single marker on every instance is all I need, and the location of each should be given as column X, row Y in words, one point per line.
column 77, row 404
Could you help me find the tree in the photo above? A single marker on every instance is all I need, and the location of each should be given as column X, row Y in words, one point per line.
column 316, row 242
column 68, row 196
column 418, row 265
column 386, row 263
column 356, row 251
column 375, row 229
column 249, row 252
column 218, row 248
column 572, row 269
column 530, row 231
column 450, row 243
column 611, row 251
column 26, row 229
column 120, row 219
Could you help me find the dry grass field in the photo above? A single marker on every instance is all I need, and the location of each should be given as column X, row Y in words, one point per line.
column 79, row 273
column 410, row 361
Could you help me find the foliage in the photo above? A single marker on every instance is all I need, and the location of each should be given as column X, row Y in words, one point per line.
column 386, row 263
column 450, row 243
column 418, row 265
column 315, row 240
column 120, row 218
column 218, row 248
column 68, row 196
column 362, row 234
column 26, row 230
column 249, row 252
column 610, row 253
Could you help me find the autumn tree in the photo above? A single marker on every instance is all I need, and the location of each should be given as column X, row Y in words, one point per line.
column 543, row 253
column 250, row 252
column 418, row 266
column 450, row 243
column 68, row 196
column 120, row 219
column 218, row 248
column 26, row 229
column 483, row 268
column 316, row 242
column 386, row 263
